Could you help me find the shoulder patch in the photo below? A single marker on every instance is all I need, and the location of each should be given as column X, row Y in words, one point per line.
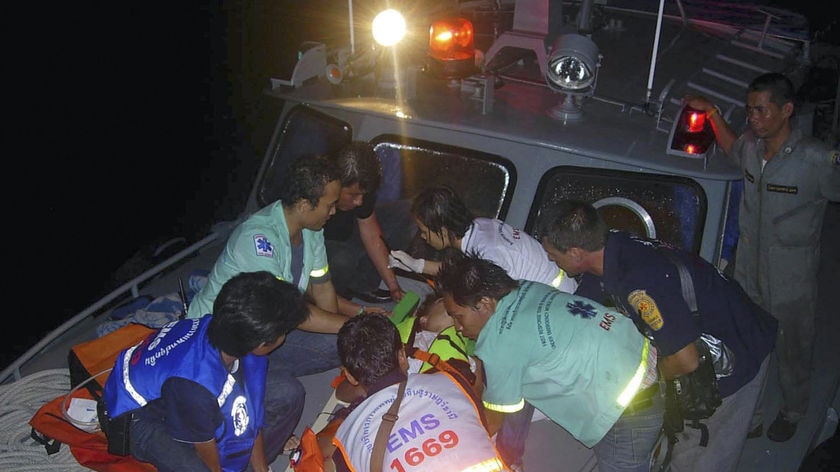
column 835, row 158
column 263, row 246
column 646, row 308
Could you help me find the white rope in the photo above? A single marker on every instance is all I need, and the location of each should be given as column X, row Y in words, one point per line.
column 19, row 401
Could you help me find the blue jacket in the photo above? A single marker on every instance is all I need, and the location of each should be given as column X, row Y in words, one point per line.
column 643, row 283
column 181, row 349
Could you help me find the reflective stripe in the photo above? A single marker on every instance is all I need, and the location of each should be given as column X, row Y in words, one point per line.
column 141, row 400
column 636, row 382
column 559, row 279
column 228, row 387
column 316, row 273
column 135, row 395
column 490, row 465
column 506, row 408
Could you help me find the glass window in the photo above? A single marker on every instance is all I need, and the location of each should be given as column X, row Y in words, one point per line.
column 485, row 181
column 671, row 209
column 304, row 131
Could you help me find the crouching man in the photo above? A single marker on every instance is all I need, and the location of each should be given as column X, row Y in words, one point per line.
column 587, row 368
column 190, row 396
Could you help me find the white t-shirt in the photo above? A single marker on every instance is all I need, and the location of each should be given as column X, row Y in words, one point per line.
column 515, row 251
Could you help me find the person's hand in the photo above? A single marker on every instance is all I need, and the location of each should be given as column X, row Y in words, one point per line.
column 402, row 260
column 375, row 309
column 698, row 102
column 397, row 294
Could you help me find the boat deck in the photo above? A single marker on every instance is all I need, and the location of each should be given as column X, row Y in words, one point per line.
column 549, row 447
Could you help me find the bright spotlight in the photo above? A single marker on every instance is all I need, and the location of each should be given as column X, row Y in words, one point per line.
column 573, row 64
column 389, row 28
column 572, row 69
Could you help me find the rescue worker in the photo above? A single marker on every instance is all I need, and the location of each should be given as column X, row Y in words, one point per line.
column 789, row 177
column 429, row 332
column 642, row 279
column 439, row 408
column 446, row 224
column 585, row 367
column 190, row 395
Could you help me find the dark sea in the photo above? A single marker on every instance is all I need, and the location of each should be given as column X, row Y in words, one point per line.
column 138, row 122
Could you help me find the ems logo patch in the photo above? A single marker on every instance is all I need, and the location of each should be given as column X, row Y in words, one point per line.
column 581, row 308
column 239, row 414
column 263, row 247
column 646, row 308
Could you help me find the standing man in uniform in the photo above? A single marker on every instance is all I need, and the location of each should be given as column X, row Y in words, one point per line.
column 788, row 180
column 586, row 367
column 641, row 278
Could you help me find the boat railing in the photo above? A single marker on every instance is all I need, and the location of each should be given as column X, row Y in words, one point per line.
column 13, row 371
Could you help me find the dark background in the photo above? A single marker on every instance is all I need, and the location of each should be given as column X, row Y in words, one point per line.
column 137, row 122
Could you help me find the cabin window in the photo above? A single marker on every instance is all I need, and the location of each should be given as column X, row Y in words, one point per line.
column 304, row 131
column 485, row 181
column 668, row 208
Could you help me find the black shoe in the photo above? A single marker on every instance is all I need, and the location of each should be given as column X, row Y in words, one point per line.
column 781, row 430
column 756, row 432
column 374, row 296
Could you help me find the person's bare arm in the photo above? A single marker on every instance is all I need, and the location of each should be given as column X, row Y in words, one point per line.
column 494, row 421
column 682, row 362
column 209, row 453
column 323, row 294
column 322, row 321
column 377, row 250
column 431, row 267
column 321, row 318
column 479, row 377
column 258, row 461
column 723, row 133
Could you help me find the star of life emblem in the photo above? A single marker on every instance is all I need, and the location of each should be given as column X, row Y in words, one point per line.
column 263, row 246
column 581, row 308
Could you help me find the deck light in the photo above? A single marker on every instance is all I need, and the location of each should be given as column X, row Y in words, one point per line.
column 389, row 28
column 573, row 64
column 572, row 69
column 691, row 134
column 452, row 48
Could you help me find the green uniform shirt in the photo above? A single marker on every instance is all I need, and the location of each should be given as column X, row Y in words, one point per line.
column 262, row 243
column 570, row 357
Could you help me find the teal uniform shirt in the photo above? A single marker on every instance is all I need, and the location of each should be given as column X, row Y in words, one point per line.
column 262, row 243
column 572, row 358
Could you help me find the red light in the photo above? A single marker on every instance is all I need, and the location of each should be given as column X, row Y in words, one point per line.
column 452, row 48
column 452, row 39
column 696, row 121
column 691, row 135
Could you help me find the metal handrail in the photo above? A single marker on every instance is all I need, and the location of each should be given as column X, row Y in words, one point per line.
column 13, row 369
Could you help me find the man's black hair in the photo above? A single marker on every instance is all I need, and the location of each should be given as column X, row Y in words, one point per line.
column 359, row 163
column 439, row 207
column 468, row 278
column 254, row 308
column 572, row 223
column 368, row 346
column 306, row 179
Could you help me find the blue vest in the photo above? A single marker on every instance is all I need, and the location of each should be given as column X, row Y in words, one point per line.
column 181, row 349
